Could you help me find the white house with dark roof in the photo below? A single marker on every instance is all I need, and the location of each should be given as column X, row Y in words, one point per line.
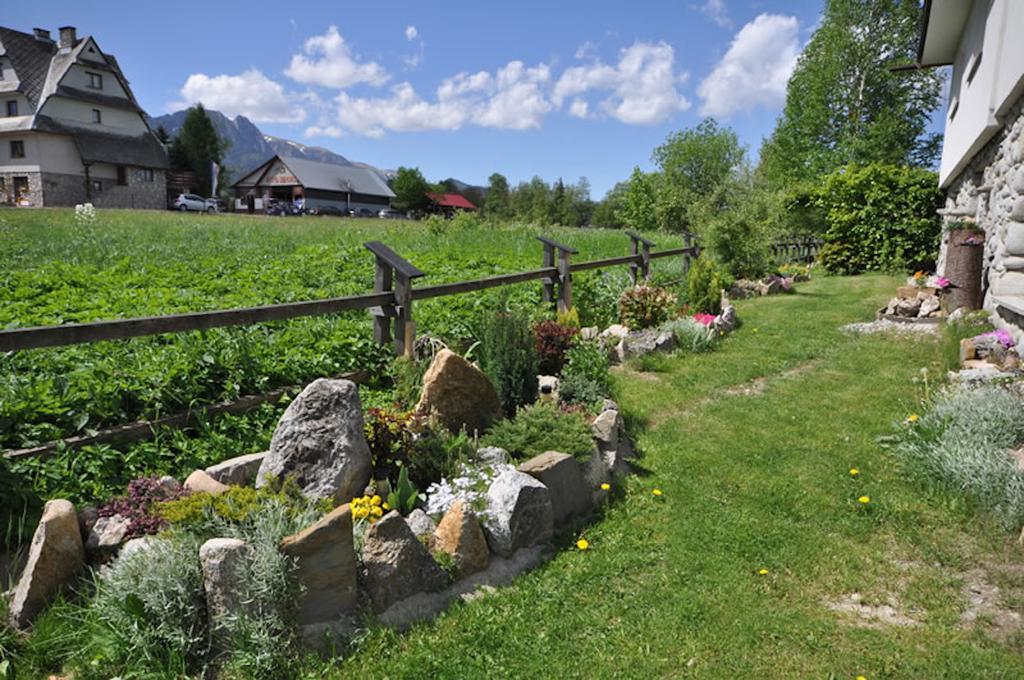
column 71, row 130
column 982, row 168
column 347, row 187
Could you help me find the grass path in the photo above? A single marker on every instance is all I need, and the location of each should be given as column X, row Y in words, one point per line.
column 752, row 447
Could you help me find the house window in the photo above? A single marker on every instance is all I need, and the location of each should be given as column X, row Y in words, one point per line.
column 97, row 116
column 97, row 185
column 12, row 107
column 953, row 106
column 972, row 66
column 147, row 174
column 17, row 149
column 1, row 70
column 95, row 80
column 122, row 176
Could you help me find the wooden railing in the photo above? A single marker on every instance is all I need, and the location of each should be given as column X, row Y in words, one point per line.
column 802, row 249
column 392, row 299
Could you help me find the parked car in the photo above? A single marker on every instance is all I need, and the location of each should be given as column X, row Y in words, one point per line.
column 389, row 214
column 215, row 205
column 326, row 210
column 191, row 202
column 361, row 212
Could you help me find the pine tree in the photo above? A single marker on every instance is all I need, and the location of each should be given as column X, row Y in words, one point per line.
column 197, row 146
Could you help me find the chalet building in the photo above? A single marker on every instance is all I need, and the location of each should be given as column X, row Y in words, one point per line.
column 70, row 129
column 982, row 169
column 347, row 187
column 449, row 204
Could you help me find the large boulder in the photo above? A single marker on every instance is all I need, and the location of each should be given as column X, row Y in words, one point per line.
column 396, row 565
column 459, row 535
column 420, row 523
column 612, row 441
column 563, row 476
column 223, row 561
column 458, row 394
column 325, row 566
column 54, row 557
column 106, row 536
column 647, row 341
column 238, row 471
column 320, row 443
column 519, row 513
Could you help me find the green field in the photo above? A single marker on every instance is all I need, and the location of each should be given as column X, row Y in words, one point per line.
column 128, row 264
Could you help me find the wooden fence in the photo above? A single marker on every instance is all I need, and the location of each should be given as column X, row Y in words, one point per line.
column 803, row 249
column 393, row 298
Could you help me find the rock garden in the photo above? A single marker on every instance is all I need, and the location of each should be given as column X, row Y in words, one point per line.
column 488, row 462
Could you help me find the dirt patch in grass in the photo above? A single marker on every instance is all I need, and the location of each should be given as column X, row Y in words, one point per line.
column 857, row 613
column 985, row 606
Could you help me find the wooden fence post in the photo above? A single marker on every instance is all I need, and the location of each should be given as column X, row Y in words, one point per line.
column 634, row 267
column 640, row 246
column 564, row 271
column 394, row 270
column 548, row 283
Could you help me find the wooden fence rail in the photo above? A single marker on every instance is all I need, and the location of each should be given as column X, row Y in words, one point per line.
column 796, row 249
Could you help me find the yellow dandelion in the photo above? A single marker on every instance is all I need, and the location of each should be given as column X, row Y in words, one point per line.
column 375, row 500
column 656, row 492
column 582, row 544
column 864, row 500
column 913, row 418
column 763, row 572
column 854, row 472
column 861, row 677
column 376, row 511
column 605, row 486
column 385, row 505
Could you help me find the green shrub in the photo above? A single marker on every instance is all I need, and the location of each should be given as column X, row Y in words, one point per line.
column 509, row 358
column 739, row 240
column 646, row 307
column 407, row 379
column 588, row 361
column 436, row 454
column 596, row 296
column 963, row 443
column 578, row 389
column 19, row 511
column 691, row 336
column 539, row 428
column 704, row 286
column 880, row 217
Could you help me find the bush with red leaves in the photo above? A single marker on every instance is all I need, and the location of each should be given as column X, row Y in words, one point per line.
column 552, row 340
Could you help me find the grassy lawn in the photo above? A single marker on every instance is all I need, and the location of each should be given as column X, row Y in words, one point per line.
column 752, row 448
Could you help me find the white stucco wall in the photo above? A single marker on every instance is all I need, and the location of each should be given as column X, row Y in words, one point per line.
column 52, row 153
column 79, row 113
column 992, row 47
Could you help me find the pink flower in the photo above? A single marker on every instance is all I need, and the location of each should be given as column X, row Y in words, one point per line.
column 942, row 282
column 704, row 319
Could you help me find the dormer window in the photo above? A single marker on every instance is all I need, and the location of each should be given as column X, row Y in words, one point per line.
column 97, row 116
column 1, row 70
column 95, row 80
column 12, row 108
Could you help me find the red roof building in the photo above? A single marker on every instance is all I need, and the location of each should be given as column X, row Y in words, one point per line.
column 449, row 203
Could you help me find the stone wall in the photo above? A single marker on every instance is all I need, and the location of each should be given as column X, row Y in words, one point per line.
column 990, row 193
column 63, row 190
column 138, row 193
column 35, row 187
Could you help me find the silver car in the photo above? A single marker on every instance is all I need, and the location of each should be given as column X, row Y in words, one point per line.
column 185, row 202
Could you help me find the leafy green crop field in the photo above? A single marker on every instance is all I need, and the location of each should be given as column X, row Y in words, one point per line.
column 136, row 263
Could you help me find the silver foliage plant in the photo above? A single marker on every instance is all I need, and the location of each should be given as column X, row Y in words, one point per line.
column 964, row 442
column 690, row 335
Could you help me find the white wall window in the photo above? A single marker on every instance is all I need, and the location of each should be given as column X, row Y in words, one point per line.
column 953, row 106
column 12, row 108
column 97, row 116
column 17, row 149
column 95, row 80
column 1, row 70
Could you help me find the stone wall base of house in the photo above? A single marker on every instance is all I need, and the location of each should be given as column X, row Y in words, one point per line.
column 50, row 189
column 990, row 194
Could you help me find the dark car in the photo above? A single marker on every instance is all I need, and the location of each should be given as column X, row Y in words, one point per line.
column 361, row 212
column 327, row 210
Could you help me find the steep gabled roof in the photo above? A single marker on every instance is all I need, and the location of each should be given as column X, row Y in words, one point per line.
column 451, row 201
column 30, row 59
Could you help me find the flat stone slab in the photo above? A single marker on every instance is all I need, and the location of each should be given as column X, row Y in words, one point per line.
column 326, row 566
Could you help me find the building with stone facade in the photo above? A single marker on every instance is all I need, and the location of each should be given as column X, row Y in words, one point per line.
column 982, row 168
column 71, row 130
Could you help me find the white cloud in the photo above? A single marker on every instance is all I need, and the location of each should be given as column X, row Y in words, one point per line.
column 328, row 61
column 579, row 108
column 411, row 33
column 512, row 98
column 717, row 12
column 585, row 50
column 755, row 70
column 642, row 84
column 250, row 94
column 324, row 131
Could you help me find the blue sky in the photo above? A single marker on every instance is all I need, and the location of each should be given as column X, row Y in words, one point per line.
column 557, row 89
